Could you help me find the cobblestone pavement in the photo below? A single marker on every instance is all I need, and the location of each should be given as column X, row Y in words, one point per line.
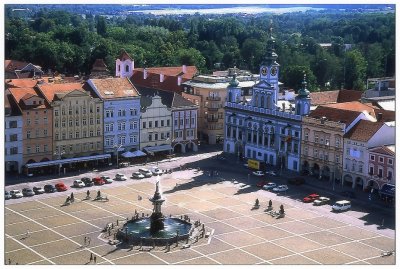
column 39, row 230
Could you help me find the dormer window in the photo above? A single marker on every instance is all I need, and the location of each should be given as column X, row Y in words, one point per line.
column 34, row 102
column 127, row 68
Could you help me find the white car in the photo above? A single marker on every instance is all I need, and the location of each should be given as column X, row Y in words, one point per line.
column 137, row 175
column 281, row 188
column 107, row 179
column 16, row 194
column 258, row 173
column 156, row 171
column 146, row 172
column 120, row 177
column 321, row 201
column 269, row 186
column 342, row 205
column 272, row 173
column 78, row 183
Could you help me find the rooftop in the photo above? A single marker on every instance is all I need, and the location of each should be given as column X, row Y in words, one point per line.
column 110, row 88
column 51, row 90
column 363, row 130
column 334, row 114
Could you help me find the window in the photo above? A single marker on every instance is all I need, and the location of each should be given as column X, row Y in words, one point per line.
column 372, row 157
column 84, row 110
column 64, row 136
column 167, row 134
column 121, row 140
column 150, row 137
column 13, row 137
column 84, row 122
column 187, row 122
column 91, row 133
column 91, row 121
column 28, row 150
column 56, row 112
column 389, row 175
column 306, row 136
column 109, row 113
column 380, row 172
column 337, row 143
column 57, row 136
column 390, row 161
column 162, row 136
column 107, row 141
column 70, row 111
column 156, row 136
column 348, row 151
column 156, row 123
column 167, row 122
column 28, row 134
column 135, row 125
column 360, row 168
column 296, row 148
column 316, row 139
column 353, row 166
column 162, row 123
column 45, row 121
column 13, row 124
column 121, row 126
column 337, row 158
column 192, row 121
column 77, row 134
column 181, row 123
column 144, row 125
column 315, row 153
column 150, row 124
column 70, row 135
column 37, row 148
column 98, row 132
column 77, row 122
column 107, row 127
column 97, row 109
column 381, row 159
column 176, row 122
column 37, row 133
column 63, row 123
column 371, row 171
column 28, row 121
column 98, row 120
column 84, row 133
column 70, row 123
column 13, row 150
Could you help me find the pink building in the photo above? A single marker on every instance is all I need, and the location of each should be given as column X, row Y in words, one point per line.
column 381, row 167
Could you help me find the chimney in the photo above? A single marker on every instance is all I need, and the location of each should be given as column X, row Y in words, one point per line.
column 145, row 73
column 179, row 80
column 323, row 119
column 161, row 77
column 379, row 116
column 184, row 69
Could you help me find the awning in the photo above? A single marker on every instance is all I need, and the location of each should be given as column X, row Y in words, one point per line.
column 388, row 190
column 137, row 153
column 158, row 148
column 71, row 160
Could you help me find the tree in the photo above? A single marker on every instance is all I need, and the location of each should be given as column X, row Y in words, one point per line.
column 101, row 26
column 294, row 76
column 355, row 68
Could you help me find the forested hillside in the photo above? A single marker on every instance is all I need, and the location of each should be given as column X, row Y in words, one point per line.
column 70, row 43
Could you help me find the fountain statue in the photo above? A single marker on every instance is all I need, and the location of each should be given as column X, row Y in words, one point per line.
column 156, row 218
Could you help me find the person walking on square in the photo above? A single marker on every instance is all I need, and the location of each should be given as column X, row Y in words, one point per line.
column 91, row 257
column 95, row 258
column 84, row 240
column 87, row 194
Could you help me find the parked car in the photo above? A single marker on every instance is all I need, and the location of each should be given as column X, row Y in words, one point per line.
column 98, row 181
column 321, row 201
column 281, row 188
column 297, row 181
column 16, row 194
column 7, row 195
column 120, row 177
column 61, row 187
column 78, row 183
column 269, row 186
column 342, row 205
column 258, row 173
column 146, row 172
column 156, row 171
column 137, row 175
column 27, row 192
column 261, row 183
column 38, row 190
column 310, row 198
column 88, row 182
column 107, row 179
column 49, row 188
column 271, row 173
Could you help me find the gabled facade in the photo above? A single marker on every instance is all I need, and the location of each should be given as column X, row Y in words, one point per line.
column 362, row 136
column 13, row 135
column 381, row 166
column 77, row 120
column 124, row 65
column 258, row 128
column 121, row 113
column 37, row 120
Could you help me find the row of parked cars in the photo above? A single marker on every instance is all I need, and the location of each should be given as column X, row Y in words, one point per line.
column 81, row 183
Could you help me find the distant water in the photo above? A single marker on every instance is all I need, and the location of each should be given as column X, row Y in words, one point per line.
column 229, row 10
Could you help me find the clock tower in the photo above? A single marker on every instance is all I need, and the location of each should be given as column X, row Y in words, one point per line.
column 269, row 70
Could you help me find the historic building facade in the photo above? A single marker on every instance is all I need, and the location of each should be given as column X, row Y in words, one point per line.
column 121, row 113
column 258, row 128
column 381, row 166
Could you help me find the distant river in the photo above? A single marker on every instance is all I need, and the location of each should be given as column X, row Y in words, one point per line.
column 230, row 10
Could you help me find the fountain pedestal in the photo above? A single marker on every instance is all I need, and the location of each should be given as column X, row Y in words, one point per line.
column 156, row 218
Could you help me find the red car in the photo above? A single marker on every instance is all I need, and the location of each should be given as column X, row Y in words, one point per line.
column 261, row 183
column 311, row 198
column 61, row 187
column 98, row 181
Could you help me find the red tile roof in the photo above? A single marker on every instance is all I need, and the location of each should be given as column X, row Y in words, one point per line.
column 333, row 97
column 24, row 93
column 124, row 55
column 355, row 106
column 383, row 150
column 99, row 65
column 11, row 65
column 170, row 83
column 363, row 130
column 110, row 88
column 21, row 83
column 334, row 114
column 173, row 71
column 50, row 90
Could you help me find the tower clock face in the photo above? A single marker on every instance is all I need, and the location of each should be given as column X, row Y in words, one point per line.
column 274, row 71
column 264, row 71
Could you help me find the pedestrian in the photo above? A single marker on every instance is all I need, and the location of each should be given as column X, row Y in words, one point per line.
column 91, row 257
column 117, row 223
column 383, row 222
column 84, row 240
column 72, row 197
column 88, row 240
column 27, row 233
column 9, row 261
column 88, row 193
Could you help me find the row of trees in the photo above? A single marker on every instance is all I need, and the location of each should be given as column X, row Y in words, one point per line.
column 70, row 43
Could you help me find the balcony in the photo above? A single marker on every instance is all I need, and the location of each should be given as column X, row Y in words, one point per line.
column 213, row 98
column 210, row 119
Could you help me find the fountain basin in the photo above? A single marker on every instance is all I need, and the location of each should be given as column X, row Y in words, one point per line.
column 138, row 230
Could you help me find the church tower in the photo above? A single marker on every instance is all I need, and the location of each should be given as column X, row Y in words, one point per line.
column 303, row 100
column 124, row 65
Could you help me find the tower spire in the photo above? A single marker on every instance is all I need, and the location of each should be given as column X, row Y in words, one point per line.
column 270, row 57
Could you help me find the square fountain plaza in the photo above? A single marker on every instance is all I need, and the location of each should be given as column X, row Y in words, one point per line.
column 239, row 235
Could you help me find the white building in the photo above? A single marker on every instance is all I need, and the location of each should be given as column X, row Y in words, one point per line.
column 13, row 135
column 121, row 113
column 362, row 136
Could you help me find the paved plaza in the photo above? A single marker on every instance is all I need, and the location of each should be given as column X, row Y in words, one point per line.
column 39, row 230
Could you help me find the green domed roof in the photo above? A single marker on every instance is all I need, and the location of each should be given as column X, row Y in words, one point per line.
column 303, row 92
column 234, row 82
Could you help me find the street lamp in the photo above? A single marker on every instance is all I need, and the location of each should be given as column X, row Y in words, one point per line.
column 117, row 147
column 59, row 153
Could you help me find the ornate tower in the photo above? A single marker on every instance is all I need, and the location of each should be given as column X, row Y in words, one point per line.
column 269, row 71
column 156, row 218
column 234, row 91
column 303, row 100
column 124, row 65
